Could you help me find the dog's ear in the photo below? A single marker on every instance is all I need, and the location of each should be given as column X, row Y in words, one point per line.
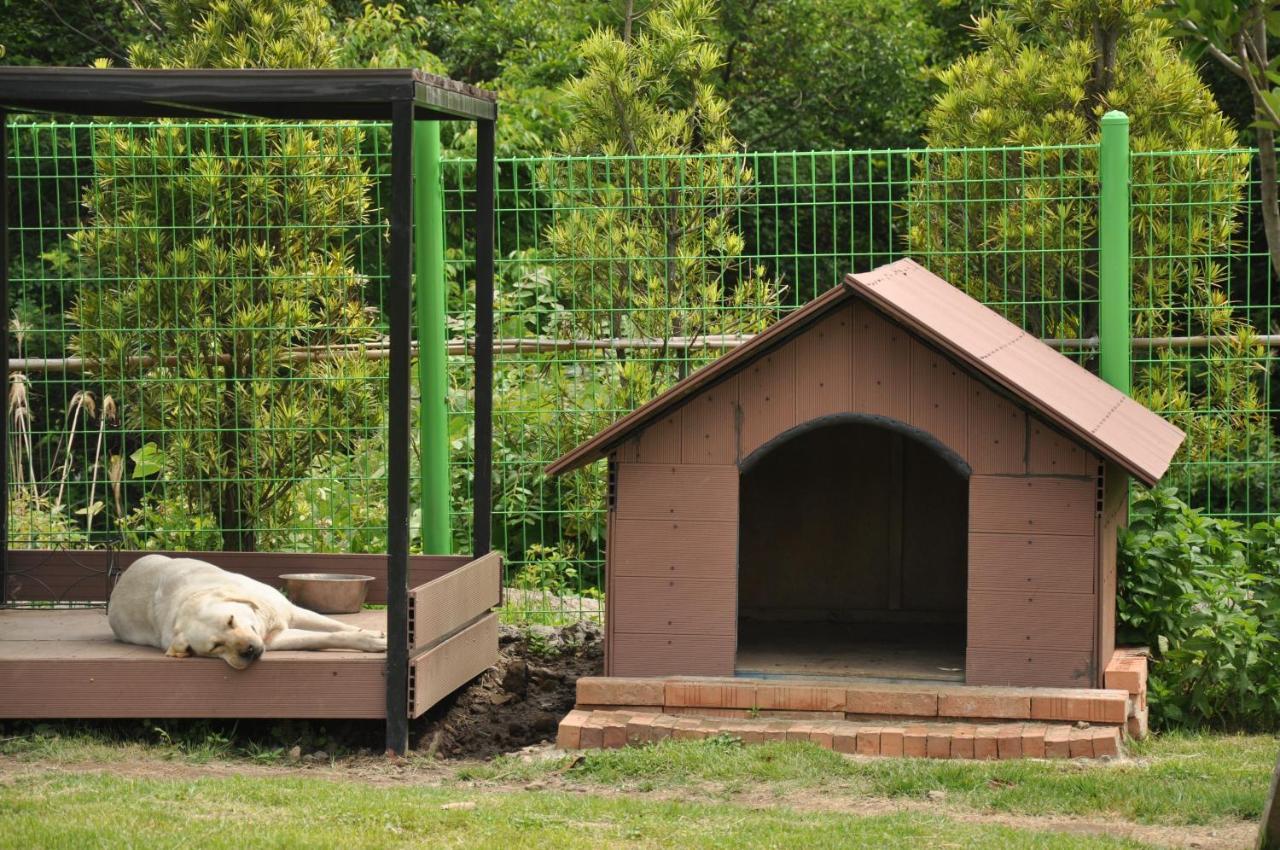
column 243, row 601
column 178, row 648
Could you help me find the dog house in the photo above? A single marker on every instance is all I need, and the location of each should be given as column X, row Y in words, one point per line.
column 894, row 481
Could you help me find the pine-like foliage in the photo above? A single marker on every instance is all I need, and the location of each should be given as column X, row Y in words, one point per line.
column 647, row 240
column 224, row 250
column 1019, row 229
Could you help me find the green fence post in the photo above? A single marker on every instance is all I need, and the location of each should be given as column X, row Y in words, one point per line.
column 1114, row 342
column 433, row 412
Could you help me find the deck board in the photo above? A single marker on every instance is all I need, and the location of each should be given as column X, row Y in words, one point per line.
column 66, row 663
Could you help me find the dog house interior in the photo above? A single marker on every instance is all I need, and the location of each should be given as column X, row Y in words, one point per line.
column 229, row 376
column 853, row 552
column 893, row 482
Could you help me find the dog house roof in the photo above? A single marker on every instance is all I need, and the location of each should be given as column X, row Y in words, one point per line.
column 1081, row 404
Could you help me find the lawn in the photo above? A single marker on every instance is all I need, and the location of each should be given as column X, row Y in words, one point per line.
column 78, row 791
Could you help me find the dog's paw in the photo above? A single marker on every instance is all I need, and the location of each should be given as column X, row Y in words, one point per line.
column 178, row 652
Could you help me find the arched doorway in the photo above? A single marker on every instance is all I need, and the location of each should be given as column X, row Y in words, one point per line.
column 852, row 553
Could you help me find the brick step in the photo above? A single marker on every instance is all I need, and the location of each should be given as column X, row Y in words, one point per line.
column 611, row 729
column 854, row 701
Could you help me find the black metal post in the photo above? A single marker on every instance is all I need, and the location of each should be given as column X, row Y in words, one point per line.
column 4, row 356
column 399, row 318
column 483, row 497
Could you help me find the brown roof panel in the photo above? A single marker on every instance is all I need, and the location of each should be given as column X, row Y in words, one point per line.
column 1060, row 390
column 1082, row 404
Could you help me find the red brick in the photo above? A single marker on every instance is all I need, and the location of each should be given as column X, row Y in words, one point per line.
column 617, row 691
column 845, row 740
column 615, row 732
column 710, row 694
column 1093, row 706
column 688, row 729
column 892, row 700
column 663, row 726
column 1009, row 742
column 1136, row 726
column 786, row 714
column 1080, row 744
column 800, row 731
column 592, row 735
column 627, row 709
column 703, row 711
column 1057, row 742
column 1033, row 741
column 938, row 744
column 869, row 741
column 891, row 741
column 640, row 728
column 569, row 735
column 985, row 743
column 1127, row 673
column 800, row 697
column 915, row 741
column 824, row 735
column 962, row 742
column 1106, row 742
column 977, row 702
column 774, row 730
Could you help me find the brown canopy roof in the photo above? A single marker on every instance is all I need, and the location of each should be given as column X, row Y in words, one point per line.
column 1081, row 404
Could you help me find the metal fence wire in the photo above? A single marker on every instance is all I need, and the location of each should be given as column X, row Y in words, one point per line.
column 173, row 256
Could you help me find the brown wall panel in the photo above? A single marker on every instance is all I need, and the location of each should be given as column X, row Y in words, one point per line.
column 447, row 666
column 670, row 655
column 1059, row 563
column 675, row 606
column 1011, row 619
column 767, row 396
column 709, row 425
column 677, row 492
column 685, row 549
column 824, row 367
column 881, row 365
column 659, row 442
column 1029, row 667
column 1115, row 515
column 939, row 397
column 444, row 605
column 1040, row 505
column 997, row 433
column 1050, row 453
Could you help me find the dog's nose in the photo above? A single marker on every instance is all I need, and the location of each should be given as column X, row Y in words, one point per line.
column 251, row 653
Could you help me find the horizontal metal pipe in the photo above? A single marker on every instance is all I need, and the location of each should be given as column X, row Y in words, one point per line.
column 544, row 345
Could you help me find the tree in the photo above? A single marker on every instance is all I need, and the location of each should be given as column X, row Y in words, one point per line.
column 650, row 237
column 1235, row 34
column 1016, row 228
column 802, row 78
column 222, row 248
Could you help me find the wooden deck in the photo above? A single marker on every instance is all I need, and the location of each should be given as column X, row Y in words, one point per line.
column 66, row 663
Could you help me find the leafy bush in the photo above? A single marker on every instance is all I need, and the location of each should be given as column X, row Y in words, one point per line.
column 1204, row 594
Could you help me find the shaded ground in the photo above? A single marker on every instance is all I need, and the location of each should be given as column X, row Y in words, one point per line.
column 520, row 700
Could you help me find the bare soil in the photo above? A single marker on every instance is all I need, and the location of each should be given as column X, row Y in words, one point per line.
column 520, row 700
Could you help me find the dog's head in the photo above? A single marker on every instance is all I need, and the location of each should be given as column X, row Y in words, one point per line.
column 217, row 626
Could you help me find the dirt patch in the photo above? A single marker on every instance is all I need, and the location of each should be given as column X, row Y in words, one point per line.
column 520, row 700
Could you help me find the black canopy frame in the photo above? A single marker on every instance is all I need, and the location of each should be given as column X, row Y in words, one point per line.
column 400, row 96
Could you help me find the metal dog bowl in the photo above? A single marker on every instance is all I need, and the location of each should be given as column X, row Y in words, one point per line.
column 327, row 593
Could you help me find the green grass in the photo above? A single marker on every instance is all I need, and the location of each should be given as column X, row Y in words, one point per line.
column 58, row 810
column 1175, row 779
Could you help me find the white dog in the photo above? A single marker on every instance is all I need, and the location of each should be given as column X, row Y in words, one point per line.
column 190, row 607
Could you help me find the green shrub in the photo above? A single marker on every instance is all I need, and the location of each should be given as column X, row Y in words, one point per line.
column 1204, row 594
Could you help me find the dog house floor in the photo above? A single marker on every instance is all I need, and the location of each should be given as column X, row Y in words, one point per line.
column 840, row 650
column 66, row 663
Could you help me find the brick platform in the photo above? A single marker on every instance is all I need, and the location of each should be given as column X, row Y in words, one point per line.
column 610, row 729
column 869, row 718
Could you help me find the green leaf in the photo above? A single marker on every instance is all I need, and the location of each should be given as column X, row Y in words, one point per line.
column 148, row 460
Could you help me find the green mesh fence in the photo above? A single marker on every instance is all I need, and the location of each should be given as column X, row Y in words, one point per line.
column 616, row 277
